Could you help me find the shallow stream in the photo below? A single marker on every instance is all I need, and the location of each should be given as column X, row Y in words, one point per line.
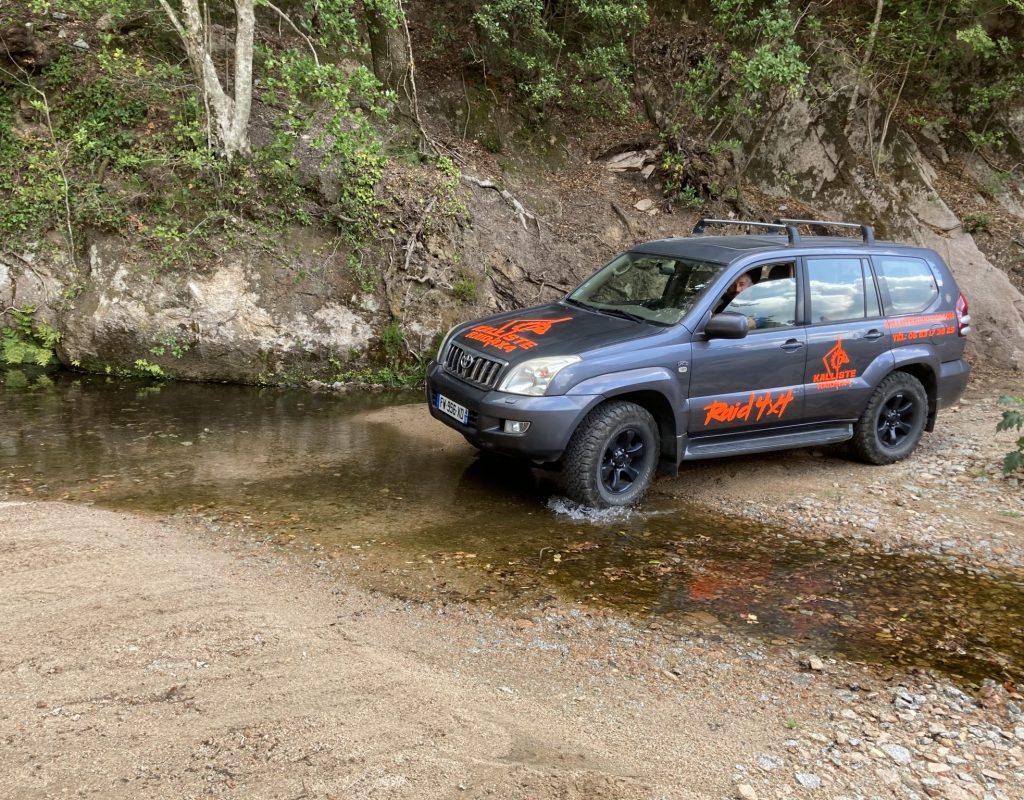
column 409, row 509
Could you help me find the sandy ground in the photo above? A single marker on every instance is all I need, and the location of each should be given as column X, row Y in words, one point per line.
column 148, row 659
column 139, row 661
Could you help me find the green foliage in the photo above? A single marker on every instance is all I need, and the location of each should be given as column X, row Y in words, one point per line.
column 766, row 58
column 758, row 66
column 116, row 138
column 977, row 223
column 465, row 288
column 391, row 340
column 572, row 52
column 147, row 369
column 28, row 342
column 452, row 204
column 392, row 377
column 347, row 142
column 168, row 344
column 364, row 274
column 1013, row 419
column 87, row 8
column 30, row 177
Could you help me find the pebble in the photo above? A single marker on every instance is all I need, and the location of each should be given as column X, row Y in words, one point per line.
column 81, row 44
column 746, row 792
column 808, row 780
column 897, row 753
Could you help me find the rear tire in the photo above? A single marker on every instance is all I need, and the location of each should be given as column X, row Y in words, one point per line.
column 611, row 458
column 892, row 422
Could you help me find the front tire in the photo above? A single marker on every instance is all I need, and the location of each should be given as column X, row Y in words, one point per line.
column 892, row 422
column 611, row 457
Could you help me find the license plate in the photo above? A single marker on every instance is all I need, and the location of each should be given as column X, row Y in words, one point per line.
column 453, row 409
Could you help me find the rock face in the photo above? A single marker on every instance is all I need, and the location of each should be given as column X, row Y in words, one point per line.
column 242, row 319
column 227, row 322
column 822, row 161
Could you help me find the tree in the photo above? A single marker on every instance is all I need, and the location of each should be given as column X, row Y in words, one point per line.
column 389, row 48
column 229, row 113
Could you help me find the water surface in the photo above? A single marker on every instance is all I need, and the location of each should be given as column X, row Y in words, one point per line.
column 410, row 509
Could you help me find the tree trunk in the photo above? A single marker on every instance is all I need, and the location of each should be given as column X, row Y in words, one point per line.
column 391, row 51
column 229, row 114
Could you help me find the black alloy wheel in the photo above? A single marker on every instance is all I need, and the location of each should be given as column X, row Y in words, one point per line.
column 623, row 461
column 897, row 419
column 893, row 421
column 611, row 457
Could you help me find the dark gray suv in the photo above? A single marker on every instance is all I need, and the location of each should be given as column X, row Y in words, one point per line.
column 707, row 346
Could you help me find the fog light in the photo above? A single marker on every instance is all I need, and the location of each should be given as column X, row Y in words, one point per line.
column 515, row 426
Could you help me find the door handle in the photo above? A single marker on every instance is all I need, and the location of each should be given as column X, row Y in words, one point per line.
column 873, row 334
column 792, row 345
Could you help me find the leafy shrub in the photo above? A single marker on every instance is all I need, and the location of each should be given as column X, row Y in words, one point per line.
column 1013, row 419
column 573, row 52
column 977, row 223
column 465, row 288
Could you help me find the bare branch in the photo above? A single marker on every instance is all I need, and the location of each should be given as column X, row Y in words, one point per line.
column 294, row 27
column 521, row 213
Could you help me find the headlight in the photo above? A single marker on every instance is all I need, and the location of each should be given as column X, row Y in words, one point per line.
column 533, row 377
column 444, row 343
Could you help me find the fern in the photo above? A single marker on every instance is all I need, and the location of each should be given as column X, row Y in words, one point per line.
column 28, row 342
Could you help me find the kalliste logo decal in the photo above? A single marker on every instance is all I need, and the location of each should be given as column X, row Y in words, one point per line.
column 834, row 377
column 508, row 337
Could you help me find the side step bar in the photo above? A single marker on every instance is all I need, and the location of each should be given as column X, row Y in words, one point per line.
column 765, row 443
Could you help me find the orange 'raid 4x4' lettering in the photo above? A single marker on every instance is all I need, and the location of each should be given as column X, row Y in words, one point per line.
column 766, row 403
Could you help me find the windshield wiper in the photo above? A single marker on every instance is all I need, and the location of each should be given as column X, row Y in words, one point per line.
column 571, row 302
column 618, row 312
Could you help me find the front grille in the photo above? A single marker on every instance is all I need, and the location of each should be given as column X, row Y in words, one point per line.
column 472, row 368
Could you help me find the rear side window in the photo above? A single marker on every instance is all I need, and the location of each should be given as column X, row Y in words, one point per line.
column 841, row 290
column 907, row 284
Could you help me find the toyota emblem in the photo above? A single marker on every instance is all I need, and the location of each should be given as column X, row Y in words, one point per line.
column 465, row 362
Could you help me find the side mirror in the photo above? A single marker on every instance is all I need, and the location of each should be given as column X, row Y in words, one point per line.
column 727, row 326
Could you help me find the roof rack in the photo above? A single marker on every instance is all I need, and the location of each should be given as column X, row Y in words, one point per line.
column 778, row 225
column 866, row 231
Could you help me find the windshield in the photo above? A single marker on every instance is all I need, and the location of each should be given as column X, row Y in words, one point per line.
column 656, row 289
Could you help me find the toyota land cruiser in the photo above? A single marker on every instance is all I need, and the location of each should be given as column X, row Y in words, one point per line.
column 706, row 346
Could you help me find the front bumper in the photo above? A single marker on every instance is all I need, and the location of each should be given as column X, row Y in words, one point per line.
column 552, row 419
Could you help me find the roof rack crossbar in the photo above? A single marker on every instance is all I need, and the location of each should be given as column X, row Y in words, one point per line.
column 778, row 225
column 866, row 231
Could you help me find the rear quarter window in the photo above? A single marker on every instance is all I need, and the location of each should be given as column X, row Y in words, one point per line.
column 907, row 284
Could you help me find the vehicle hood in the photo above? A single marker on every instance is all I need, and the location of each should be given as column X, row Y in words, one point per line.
column 551, row 330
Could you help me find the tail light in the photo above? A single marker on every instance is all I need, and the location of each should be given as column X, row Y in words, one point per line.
column 963, row 319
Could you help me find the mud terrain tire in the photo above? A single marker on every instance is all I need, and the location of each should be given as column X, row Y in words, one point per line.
column 892, row 422
column 611, row 458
